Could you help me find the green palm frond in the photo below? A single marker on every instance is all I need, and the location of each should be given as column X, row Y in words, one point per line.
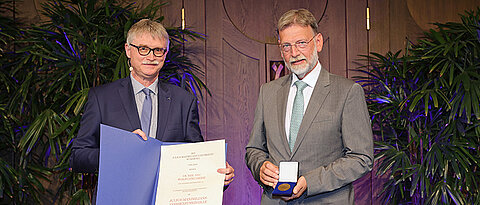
column 46, row 81
column 425, row 107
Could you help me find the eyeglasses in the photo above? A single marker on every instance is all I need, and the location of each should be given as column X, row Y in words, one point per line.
column 144, row 50
column 302, row 44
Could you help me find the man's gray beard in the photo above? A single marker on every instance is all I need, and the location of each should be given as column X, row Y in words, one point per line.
column 310, row 65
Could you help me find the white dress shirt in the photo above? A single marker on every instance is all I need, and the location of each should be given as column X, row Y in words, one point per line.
column 140, row 97
column 311, row 80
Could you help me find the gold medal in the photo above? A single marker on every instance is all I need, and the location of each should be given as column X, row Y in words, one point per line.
column 284, row 187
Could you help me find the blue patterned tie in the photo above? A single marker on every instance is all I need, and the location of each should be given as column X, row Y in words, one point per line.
column 297, row 113
column 146, row 112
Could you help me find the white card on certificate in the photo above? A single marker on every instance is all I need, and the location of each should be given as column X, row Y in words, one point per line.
column 188, row 173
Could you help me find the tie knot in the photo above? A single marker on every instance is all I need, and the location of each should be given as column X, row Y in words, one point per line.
column 146, row 91
column 300, row 85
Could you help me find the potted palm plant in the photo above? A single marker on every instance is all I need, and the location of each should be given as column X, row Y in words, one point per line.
column 46, row 81
column 425, row 108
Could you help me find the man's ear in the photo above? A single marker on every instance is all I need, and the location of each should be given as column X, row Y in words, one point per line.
column 280, row 47
column 165, row 54
column 127, row 50
column 319, row 42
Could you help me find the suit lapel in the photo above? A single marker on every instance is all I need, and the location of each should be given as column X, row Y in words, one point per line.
column 128, row 101
column 282, row 97
column 164, row 100
column 319, row 94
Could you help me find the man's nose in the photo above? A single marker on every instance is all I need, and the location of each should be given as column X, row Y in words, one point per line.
column 295, row 51
column 150, row 56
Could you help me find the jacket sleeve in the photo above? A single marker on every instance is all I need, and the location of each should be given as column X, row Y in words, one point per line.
column 86, row 146
column 357, row 139
column 256, row 149
column 193, row 132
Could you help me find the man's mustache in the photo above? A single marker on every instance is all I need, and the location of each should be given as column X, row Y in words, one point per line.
column 292, row 60
column 150, row 63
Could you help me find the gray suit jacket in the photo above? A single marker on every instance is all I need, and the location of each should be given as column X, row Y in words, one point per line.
column 334, row 146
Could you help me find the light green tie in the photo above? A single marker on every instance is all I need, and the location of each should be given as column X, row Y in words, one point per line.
column 297, row 113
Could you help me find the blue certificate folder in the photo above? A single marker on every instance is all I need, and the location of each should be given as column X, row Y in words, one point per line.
column 128, row 167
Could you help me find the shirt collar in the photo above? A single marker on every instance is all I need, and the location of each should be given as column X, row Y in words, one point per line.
column 138, row 87
column 311, row 78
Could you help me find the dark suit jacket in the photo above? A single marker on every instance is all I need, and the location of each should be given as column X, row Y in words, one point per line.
column 334, row 145
column 113, row 104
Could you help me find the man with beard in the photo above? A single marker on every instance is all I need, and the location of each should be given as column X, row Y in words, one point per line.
column 312, row 117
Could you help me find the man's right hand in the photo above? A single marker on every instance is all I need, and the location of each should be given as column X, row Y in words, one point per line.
column 141, row 133
column 269, row 174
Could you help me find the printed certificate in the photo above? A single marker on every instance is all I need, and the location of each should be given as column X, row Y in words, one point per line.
column 188, row 174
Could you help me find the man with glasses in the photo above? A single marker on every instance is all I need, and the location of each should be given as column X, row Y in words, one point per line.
column 312, row 117
column 139, row 103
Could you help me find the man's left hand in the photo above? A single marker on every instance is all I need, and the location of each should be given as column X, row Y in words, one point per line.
column 298, row 189
column 141, row 133
column 229, row 174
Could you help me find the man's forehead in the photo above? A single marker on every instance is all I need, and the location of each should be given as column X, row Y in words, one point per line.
column 291, row 34
column 148, row 38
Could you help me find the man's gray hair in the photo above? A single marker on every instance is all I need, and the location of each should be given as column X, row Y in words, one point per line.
column 147, row 26
column 301, row 17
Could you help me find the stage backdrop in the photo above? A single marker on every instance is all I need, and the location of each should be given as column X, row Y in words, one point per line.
column 239, row 53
